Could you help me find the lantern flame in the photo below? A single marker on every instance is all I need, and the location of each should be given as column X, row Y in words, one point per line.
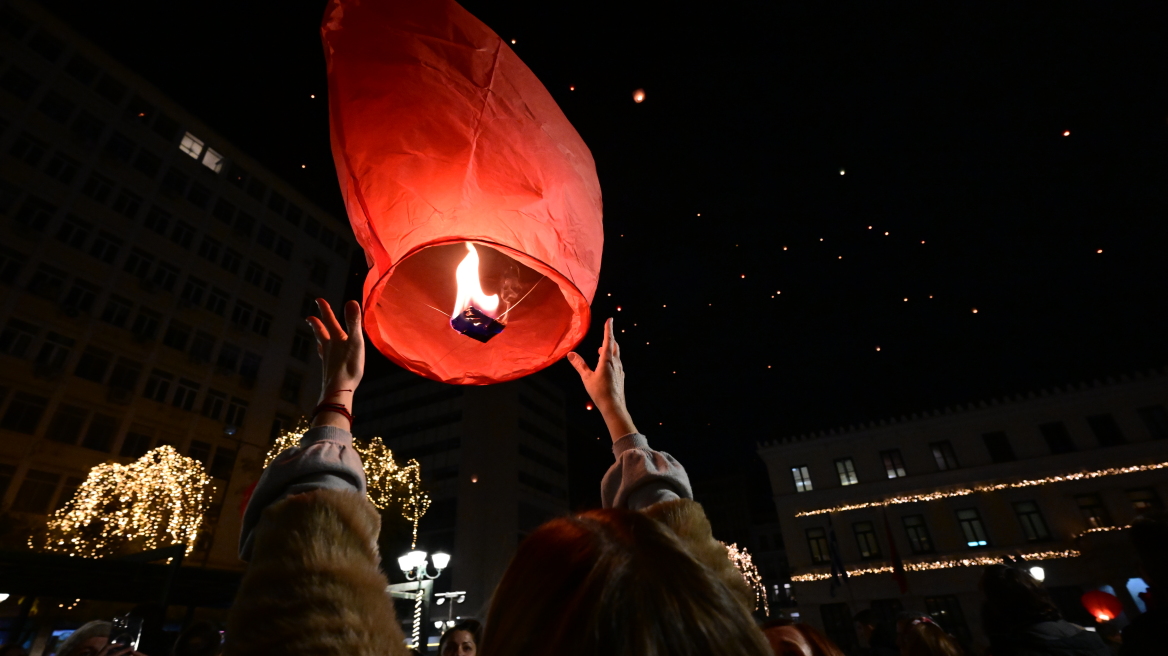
column 470, row 291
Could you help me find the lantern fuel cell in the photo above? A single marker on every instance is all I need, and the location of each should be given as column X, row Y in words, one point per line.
column 446, row 143
column 476, row 325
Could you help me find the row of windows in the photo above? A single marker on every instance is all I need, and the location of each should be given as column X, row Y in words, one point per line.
column 139, row 111
column 1055, row 433
column 97, row 430
column 35, row 214
column 973, row 531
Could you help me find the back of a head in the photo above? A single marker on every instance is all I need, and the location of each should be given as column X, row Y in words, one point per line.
column 821, row 645
column 928, row 639
column 614, row 582
column 1013, row 599
column 200, row 639
column 94, row 629
column 1149, row 535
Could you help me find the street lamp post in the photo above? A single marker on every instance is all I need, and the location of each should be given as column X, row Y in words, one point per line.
column 453, row 598
column 414, row 566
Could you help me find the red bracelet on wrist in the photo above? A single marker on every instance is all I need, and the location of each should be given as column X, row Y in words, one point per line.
column 333, row 407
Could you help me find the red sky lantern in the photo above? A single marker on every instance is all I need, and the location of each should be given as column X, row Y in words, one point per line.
column 450, row 151
column 1103, row 606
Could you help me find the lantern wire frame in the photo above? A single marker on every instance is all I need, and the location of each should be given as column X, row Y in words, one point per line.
column 158, row 500
column 388, row 484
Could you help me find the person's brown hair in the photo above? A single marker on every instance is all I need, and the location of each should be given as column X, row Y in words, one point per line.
column 928, row 639
column 1013, row 599
column 615, row 582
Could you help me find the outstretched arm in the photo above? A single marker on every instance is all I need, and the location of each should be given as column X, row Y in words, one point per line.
column 640, row 477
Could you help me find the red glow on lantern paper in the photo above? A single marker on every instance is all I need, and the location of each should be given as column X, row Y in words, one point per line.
column 443, row 139
column 1103, row 606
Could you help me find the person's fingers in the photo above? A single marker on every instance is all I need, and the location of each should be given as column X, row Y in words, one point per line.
column 578, row 364
column 330, row 319
column 318, row 329
column 353, row 317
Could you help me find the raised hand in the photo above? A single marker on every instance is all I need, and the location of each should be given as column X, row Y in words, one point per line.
column 606, row 384
column 342, row 357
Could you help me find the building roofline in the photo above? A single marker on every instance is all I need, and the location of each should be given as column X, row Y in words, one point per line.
column 959, row 409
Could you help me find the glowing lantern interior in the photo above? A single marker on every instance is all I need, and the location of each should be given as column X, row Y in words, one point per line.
column 1103, row 606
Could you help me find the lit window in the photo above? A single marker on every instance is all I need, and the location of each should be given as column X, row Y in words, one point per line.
column 893, row 463
column 918, row 534
column 1143, row 499
column 817, row 543
column 944, row 455
column 212, row 159
column 1093, row 510
column 972, row 528
column 1033, row 526
column 866, row 539
column 800, row 474
column 847, row 471
column 191, row 145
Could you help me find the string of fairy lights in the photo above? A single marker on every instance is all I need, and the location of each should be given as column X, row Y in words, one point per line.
column 925, row 566
column 387, row 483
column 995, row 487
column 745, row 564
column 156, row 501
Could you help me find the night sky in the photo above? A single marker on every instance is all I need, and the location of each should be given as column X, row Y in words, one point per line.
column 949, row 121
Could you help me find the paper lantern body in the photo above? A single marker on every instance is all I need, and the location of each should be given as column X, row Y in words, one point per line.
column 442, row 136
column 1103, row 606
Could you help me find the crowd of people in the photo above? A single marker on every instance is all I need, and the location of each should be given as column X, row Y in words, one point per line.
column 643, row 575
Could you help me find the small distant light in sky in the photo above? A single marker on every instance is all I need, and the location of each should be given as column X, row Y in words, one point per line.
column 975, row 310
column 141, row 114
column 877, row 348
column 663, row 305
column 588, row 407
column 618, row 308
column 622, row 330
column 906, row 300
column 930, row 296
column 474, row 479
column 886, row 234
column 610, row 294
column 571, row 88
column 841, row 257
column 639, row 96
column 821, row 239
column 922, row 241
column 646, row 343
column 1066, row 133
column 675, row 372
column 842, row 171
column 312, row 95
column 768, row 366
column 699, row 213
column 777, row 292
column 1099, row 250
column 512, row 41
column 744, row 275
column 784, row 248
column 303, row 166
column 869, row 227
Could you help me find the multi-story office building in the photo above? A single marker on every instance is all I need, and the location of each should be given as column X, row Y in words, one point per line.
column 958, row 488
column 154, row 281
column 494, row 461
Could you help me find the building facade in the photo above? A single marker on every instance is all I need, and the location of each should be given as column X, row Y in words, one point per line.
column 1052, row 477
column 154, row 283
column 494, row 461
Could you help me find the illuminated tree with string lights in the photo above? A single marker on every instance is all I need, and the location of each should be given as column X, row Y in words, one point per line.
column 387, row 483
column 156, row 501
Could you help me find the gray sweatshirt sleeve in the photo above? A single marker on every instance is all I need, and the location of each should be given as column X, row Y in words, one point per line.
column 325, row 458
column 641, row 477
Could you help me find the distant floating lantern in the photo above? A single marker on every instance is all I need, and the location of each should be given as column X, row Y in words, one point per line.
column 639, row 96
column 1066, row 133
column 451, row 155
column 1103, row 606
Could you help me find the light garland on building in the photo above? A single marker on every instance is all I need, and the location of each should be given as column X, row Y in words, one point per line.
column 1103, row 529
column 156, row 501
column 965, row 491
column 745, row 564
column 386, row 482
column 979, row 561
